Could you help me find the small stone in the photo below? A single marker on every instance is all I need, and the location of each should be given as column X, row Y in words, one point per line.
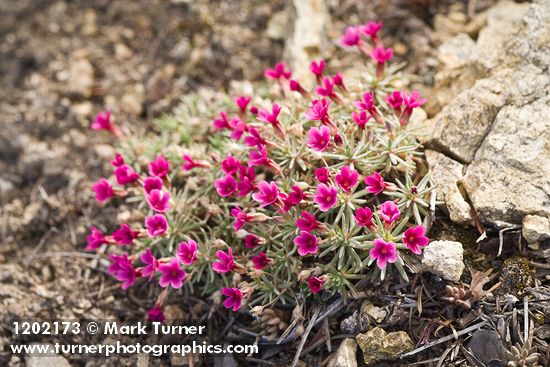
column 277, row 27
column 7, row 191
column 105, row 151
column 543, row 332
column 536, row 228
column 377, row 345
column 81, row 78
column 345, row 356
column 444, row 258
column 516, row 276
column 376, row 313
column 49, row 359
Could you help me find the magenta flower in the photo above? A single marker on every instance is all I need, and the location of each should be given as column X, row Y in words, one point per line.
column 230, row 165
column 347, row 178
column 254, row 110
column 367, row 104
column 371, row 29
column 151, row 264
column 187, row 252
column 103, row 121
column 234, row 298
column 103, row 190
column 383, row 252
column 159, row 200
column 125, row 235
column 260, row 261
column 172, row 274
column 338, row 81
column 225, row 261
column 318, row 138
column 322, row 175
column 268, row 193
column 363, row 217
column 159, row 167
column 240, row 218
column 295, row 196
column 155, row 314
column 252, row 241
column 381, row 55
column 258, row 157
column 156, row 225
column 225, row 186
column 319, row 111
column 254, row 139
column 326, row 89
column 123, row 271
column 272, row 117
column 278, row 72
column 189, row 163
column 221, row 123
column 315, row 284
column 238, row 128
column 410, row 102
column 152, row 183
column 326, row 197
column 351, row 37
column 361, row 118
column 317, row 68
column 242, row 102
column 389, row 212
column 125, row 175
column 414, row 238
column 375, row 183
column 306, row 243
column 307, row 222
column 295, row 86
column 247, row 176
column 117, row 161
column 395, row 100
column 95, row 239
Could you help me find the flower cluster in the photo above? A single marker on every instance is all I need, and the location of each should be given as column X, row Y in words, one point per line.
column 275, row 201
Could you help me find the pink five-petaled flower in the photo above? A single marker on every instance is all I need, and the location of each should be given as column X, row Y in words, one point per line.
column 317, row 68
column 260, row 261
column 272, row 117
column 172, row 274
column 103, row 190
column 189, row 163
column 225, row 186
column 338, row 81
column 102, row 121
column 221, row 122
column 347, row 178
column 383, row 252
column 125, row 175
column 258, row 157
column 295, row 86
column 117, row 161
column 125, row 235
column 278, row 72
column 375, row 183
column 158, row 200
column 363, row 217
column 315, row 284
column 381, row 55
column 322, row 175
column 326, row 197
column 268, row 193
column 326, row 89
column 254, row 139
column 371, row 29
column 306, row 243
column 186, row 252
column 152, row 183
column 252, row 241
column 410, row 102
column 395, row 100
column 318, row 138
column 155, row 314
column 230, row 165
column 414, row 238
column 367, row 104
column 159, row 167
column 246, row 183
column 242, row 102
column 240, row 218
column 95, row 239
column 151, row 264
column 361, row 118
column 307, row 222
column 319, row 111
column 156, row 225
column 225, row 261
column 123, row 271
column 295, row 196
column 389, row 212
column 234, row 298
column 238, row 128
column 351, row 37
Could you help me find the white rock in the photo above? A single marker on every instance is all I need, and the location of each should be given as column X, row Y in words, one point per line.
column 444, row 258
column 81, row 78
column 536, row 228
column 47, row 359
column 345, row 356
